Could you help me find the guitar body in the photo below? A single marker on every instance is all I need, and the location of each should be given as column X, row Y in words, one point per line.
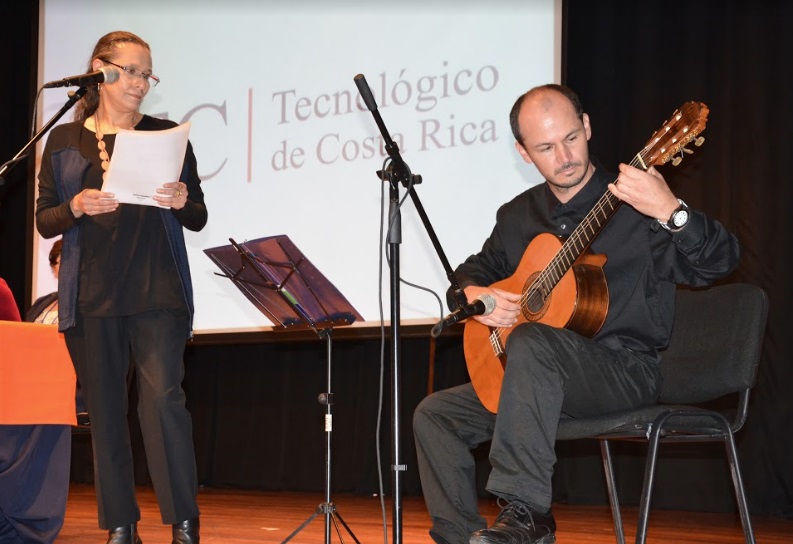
column 579, row 302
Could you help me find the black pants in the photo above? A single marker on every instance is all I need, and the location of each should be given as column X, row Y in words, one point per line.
column 101, row 349
column 550, row 372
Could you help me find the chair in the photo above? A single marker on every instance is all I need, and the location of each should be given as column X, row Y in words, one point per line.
column 713, row 353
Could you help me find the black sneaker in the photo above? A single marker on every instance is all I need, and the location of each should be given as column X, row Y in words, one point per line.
column 518, row 524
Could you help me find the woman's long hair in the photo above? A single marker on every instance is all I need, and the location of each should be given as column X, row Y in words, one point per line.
column 105, row 49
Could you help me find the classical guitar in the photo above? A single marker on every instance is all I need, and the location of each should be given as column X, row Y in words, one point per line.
column 561, row 280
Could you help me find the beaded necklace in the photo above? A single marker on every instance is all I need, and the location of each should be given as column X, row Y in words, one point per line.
column 100, row 143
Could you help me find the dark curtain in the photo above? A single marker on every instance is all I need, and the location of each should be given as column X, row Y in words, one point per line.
column 19, row 69
column 257, row 420
column 633, row 63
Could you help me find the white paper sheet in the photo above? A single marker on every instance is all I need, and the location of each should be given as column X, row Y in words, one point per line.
column 143, row 160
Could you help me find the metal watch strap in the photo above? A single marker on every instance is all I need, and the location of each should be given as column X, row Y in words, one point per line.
column 665, row 225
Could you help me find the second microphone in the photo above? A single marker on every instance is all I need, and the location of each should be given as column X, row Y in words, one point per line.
column 482, row 305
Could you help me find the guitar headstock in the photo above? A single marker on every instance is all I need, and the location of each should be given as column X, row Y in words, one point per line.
column 671, row 139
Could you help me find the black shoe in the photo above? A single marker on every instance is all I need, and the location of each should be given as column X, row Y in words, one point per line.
column 518, row 524
column 83, row 420
column 186, row 532
column 128, row 534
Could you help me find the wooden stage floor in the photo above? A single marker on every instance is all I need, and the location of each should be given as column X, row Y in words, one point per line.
column 233, row 516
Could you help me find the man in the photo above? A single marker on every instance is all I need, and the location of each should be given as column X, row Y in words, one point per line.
column 651, row 244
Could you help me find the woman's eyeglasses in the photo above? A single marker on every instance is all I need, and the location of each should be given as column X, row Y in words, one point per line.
column 149, row 78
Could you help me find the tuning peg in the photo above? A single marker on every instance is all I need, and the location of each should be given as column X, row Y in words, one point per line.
column 687, row 150
column 699, row 141
column 676, row 161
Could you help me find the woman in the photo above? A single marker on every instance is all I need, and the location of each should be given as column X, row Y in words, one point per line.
column 125, row 293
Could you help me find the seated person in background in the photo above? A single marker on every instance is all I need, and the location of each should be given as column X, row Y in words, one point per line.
column 8, row 306
column 45, row 310
column 34, row 470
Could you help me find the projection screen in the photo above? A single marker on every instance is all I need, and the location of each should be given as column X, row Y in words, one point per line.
column 285, row 144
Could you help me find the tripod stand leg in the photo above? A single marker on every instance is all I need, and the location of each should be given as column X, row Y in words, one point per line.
column 336, row 516
column 331, row 515
column 304, row 525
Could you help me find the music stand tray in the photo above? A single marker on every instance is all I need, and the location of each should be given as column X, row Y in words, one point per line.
column 285, row 286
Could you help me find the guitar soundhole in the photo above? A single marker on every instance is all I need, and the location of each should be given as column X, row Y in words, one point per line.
column 535, row 301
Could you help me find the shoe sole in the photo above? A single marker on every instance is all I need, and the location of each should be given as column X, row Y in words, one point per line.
column 548, row 539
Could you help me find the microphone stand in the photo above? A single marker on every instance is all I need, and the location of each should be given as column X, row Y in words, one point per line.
column 74, row 97
column 398, row 172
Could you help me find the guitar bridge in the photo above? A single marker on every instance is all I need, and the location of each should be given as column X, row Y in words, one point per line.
column 495, row 343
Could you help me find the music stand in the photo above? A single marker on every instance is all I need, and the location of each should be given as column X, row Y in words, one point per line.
column 284, row 285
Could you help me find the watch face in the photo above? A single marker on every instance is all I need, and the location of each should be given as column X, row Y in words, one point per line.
column 680, row 218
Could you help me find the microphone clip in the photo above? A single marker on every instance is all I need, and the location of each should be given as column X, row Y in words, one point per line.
column 393, row 174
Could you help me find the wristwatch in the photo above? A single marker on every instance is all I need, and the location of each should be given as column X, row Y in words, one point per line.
column 678, row 219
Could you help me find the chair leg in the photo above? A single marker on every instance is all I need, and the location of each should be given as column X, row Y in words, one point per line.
column 649, row 479
column 737, row 480
column 649, row 476
column 608, row 468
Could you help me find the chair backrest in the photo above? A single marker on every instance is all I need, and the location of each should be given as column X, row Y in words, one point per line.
column 716, row 342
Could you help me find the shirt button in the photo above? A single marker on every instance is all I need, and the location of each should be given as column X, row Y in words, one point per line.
column 564, row 226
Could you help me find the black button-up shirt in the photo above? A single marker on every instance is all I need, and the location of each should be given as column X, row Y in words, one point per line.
column 644, row 262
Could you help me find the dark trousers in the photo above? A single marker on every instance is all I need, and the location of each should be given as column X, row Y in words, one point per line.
column 101, row 349
column 550, row 372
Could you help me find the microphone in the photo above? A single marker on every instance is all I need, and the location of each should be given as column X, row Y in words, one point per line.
column 483, row 305
column 398, row 168
column 105, row 74
column 366, row 92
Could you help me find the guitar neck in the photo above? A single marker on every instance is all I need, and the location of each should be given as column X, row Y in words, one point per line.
column 580, row 239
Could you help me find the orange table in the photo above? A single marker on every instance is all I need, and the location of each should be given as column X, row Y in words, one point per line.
column 37, row 380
